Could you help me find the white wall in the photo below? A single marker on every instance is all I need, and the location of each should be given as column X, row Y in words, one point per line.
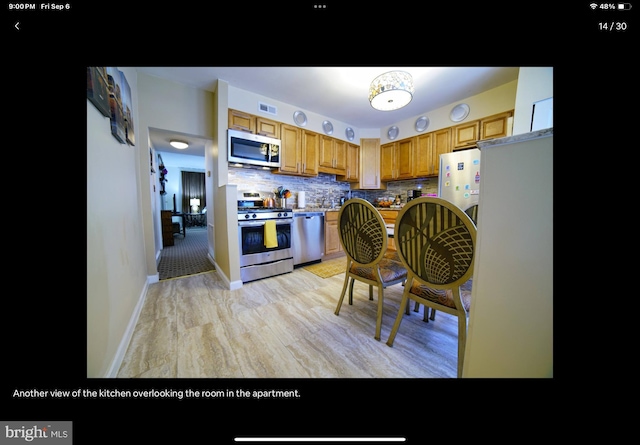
column 534, row 84
column 511, row 317
column 116, row 265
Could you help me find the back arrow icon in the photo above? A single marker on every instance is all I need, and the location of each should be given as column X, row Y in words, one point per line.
column 16, row 25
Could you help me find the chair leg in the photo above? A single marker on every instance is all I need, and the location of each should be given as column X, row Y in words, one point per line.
column 396, row 324
column 351, row 291
column 462, row 340
column 433, row 314
column 344, row 290
column 370, row 292
column 379, row 317
column 416, row 307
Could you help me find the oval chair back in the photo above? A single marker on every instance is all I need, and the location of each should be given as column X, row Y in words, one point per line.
column 436, row 244
column 363, row 237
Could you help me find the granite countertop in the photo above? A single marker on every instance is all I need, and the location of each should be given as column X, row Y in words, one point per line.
column 516, row 138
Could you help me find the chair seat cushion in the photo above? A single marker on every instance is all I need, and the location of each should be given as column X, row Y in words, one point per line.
column 389, row 271
column 440, row 296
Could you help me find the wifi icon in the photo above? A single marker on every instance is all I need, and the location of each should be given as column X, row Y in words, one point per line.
column 593, row 5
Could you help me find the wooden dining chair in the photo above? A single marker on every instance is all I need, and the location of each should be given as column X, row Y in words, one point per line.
column 472, row 211
column 436, row 242
column 363, row 236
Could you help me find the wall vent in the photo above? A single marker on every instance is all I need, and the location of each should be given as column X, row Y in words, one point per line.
column 266, row 108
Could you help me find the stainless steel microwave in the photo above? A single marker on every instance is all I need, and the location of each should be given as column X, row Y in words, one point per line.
column 253, row 149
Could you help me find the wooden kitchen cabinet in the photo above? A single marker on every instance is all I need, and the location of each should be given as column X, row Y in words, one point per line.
column 331, row 237
column 496, row 126
column 369, row 165
column 466, row 135
column 396, row 160
column 309, row 153
column 239, row 120
column 387, row 161
column 352, row 169
column 267, row 127
column 428, row 148
column 441, row 145
column 298, row 151
column 389, row 217
column 424, row 163
column 332, row 156
column 290, row 143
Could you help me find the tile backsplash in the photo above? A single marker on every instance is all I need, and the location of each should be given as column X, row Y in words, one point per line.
column 323, row 186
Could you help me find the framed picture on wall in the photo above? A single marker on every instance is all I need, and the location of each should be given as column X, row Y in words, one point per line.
column 127, row 108
column 114, row 79
column 98, row 89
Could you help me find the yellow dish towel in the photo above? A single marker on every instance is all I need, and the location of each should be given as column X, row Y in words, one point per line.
column 270, row 236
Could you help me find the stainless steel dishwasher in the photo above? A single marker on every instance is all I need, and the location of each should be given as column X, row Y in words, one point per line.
column 307, row 237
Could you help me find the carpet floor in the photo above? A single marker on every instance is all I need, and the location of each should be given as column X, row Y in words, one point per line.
column 188, row 255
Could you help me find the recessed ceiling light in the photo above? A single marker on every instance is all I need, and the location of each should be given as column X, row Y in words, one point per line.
column 178, row 144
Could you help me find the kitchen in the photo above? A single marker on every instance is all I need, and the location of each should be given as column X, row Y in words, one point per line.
column 116, row 204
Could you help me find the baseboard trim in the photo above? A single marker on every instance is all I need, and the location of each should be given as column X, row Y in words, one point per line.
column 128, row 334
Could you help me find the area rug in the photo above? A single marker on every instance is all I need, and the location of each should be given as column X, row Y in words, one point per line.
column 188, row 255
column 326, row 269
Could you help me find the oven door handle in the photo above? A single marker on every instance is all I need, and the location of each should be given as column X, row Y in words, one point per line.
column 251, row 223
column 261, row 222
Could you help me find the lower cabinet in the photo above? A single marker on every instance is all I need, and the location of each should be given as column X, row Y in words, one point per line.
column 331, row 237
column 389, row 217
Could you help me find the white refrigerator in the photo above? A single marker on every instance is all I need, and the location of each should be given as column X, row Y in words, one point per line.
column 459, row 177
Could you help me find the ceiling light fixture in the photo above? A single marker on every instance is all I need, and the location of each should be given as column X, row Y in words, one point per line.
column 178, row 144
column 390, row 91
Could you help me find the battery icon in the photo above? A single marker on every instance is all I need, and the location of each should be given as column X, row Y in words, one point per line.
column 624, row 6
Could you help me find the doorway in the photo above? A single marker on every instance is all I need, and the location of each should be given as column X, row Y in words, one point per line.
column 192, row 244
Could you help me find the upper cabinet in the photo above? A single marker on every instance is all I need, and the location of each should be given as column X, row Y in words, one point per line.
column 466, row 135
column 369, row 165
column 309, row 153
column 496, row 126
column 352, row 169
column 332, row 156
column 441, row 145
column 415, row 157
column 267, row 127
column 239, row 120
column 396, row 160
column 298, row 151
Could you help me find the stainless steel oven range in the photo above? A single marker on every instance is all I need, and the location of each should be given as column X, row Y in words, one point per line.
column 256, row 260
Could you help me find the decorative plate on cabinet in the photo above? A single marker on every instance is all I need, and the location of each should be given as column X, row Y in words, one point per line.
column 393, row 132
column 327, row 127
column 350, row 134
column 459, row 112
column 422, row 123
column 300, row 118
